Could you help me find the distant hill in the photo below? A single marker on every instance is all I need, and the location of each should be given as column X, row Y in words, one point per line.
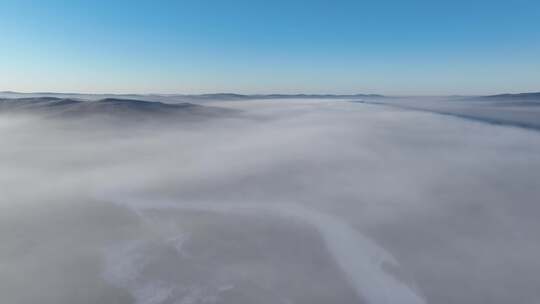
column 185, row 97
column 520, row 97
column 111, row 107
column 314, row 96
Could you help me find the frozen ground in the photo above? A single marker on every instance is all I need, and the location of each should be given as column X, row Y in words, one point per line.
column 280, row 201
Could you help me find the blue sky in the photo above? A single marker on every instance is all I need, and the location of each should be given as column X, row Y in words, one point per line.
column 394, row 47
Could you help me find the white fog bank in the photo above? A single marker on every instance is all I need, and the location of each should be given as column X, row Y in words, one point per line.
column 279, row 201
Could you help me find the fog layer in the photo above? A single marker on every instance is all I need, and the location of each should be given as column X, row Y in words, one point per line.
column 290, row 201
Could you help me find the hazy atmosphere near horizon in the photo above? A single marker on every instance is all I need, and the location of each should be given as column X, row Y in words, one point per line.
column 273, row 152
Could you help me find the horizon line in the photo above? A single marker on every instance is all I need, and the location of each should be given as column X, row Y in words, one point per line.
column 266, row 94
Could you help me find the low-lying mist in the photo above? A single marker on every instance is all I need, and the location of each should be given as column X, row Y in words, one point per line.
column 278, row 201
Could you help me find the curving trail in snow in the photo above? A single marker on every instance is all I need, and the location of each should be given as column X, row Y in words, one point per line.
column 360, row 259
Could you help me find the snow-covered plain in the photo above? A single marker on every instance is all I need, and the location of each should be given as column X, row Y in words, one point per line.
column 281, row 201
